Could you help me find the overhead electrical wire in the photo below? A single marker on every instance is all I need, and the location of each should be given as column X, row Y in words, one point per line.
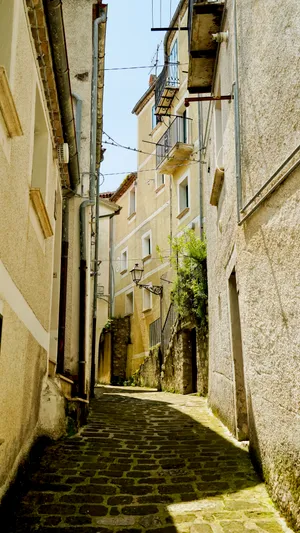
column 118, row 145
column 145, row 66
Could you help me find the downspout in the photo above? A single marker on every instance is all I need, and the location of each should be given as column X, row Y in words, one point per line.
column 99, row 85
column 200, row 136
column 55, row 25
column 78, row 120
column 238, row 166
column 111, row 270
column 63, row 289
column 56, row 30
column 82, row 211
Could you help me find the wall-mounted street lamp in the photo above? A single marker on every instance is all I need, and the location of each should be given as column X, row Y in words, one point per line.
column 137, row 274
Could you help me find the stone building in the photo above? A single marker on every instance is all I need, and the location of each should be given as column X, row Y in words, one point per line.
column 45, row 154
column 158, row 203
column 251, row 170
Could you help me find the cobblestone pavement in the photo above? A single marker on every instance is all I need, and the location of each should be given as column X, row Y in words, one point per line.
column 147, row 461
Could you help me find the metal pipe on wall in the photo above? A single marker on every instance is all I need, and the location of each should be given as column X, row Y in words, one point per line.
column 98, row 38
column 238, row 165
column 200, row 140
column 82, row 211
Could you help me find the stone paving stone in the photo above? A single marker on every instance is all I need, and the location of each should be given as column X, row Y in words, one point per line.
column 147, row 462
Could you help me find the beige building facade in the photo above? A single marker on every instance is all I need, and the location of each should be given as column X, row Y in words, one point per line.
column 161, row 200
column 251, row 169
column 49, row 174
column 31, row 130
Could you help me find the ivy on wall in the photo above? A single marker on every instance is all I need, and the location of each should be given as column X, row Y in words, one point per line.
column 189, row 290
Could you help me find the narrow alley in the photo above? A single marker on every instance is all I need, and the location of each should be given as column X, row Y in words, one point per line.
column 147, row 461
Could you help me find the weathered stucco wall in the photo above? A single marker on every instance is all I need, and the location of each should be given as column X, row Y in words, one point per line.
column 26, row 256
column 263, row 251
column 78, row 28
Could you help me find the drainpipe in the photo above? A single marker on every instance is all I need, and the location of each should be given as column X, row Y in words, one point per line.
column 82, row 214
column 56, row 30
column 111, row 270
column 55, row 25
column 99, row 84
column 238, row 166
column 78, row 120
column 63, row 288
column 200, row 136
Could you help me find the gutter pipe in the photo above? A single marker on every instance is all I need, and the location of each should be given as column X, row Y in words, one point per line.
column 200, row 136
column 238, row 166
column 78, row 120
column 54, row 13
column 82, row 213
column 55, row 25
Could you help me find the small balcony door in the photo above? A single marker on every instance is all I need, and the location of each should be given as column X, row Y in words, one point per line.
column 173, row 77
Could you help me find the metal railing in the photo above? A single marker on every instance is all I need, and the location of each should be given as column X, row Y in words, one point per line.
column 178, row 132
column 169, row 77
column 155, row 333
column 167, row 327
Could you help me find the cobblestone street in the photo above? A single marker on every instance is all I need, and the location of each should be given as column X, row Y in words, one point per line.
column 147, row 461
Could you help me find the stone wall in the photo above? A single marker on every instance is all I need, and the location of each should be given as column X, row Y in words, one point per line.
column 120, row 331
column 148, row 374
column 179, row 374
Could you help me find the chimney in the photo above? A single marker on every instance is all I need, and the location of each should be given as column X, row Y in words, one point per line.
column 152, row 79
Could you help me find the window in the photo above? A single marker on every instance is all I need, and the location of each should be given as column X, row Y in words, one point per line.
column 183, row 193
column 129, row 303
column 132, row 202
column 40, row 149
column 147, row 300
column 146, row 245
column 154, row 121
column 124, row 261
column 6, row 34
column 184, row 127
column 173, row 78
column 160, row 180
column 155, row 118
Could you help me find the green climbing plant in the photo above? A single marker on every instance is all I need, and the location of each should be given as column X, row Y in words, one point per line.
column 189, row 290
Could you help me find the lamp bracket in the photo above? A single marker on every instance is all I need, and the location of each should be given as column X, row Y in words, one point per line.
column 155, row 289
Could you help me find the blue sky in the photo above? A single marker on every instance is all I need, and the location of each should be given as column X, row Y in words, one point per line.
column 129, row 42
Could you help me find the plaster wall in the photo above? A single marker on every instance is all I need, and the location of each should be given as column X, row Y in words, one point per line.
column 263, row 250
column 26, row 257
column 78, row 23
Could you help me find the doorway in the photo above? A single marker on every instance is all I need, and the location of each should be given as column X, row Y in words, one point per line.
column 241, row 413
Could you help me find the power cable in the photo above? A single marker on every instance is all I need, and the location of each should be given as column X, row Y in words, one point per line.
column 118, row 145
column 145, row 66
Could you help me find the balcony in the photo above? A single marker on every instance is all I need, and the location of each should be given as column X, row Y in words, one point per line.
column 205, row 18
column 166, row 87
column 174, row 148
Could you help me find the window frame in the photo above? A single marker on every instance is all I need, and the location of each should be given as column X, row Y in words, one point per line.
column 125, row 269
column 149, row 298
column 127, row 293
column 159, row 186
column 184, row 210
column 131, row 214
column 147, row 256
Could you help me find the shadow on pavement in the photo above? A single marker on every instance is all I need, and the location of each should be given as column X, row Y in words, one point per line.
column 136, row 465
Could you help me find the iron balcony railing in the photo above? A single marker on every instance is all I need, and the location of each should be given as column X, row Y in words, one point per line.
column 168, row 78
column 155, row 333
column 178, row 132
